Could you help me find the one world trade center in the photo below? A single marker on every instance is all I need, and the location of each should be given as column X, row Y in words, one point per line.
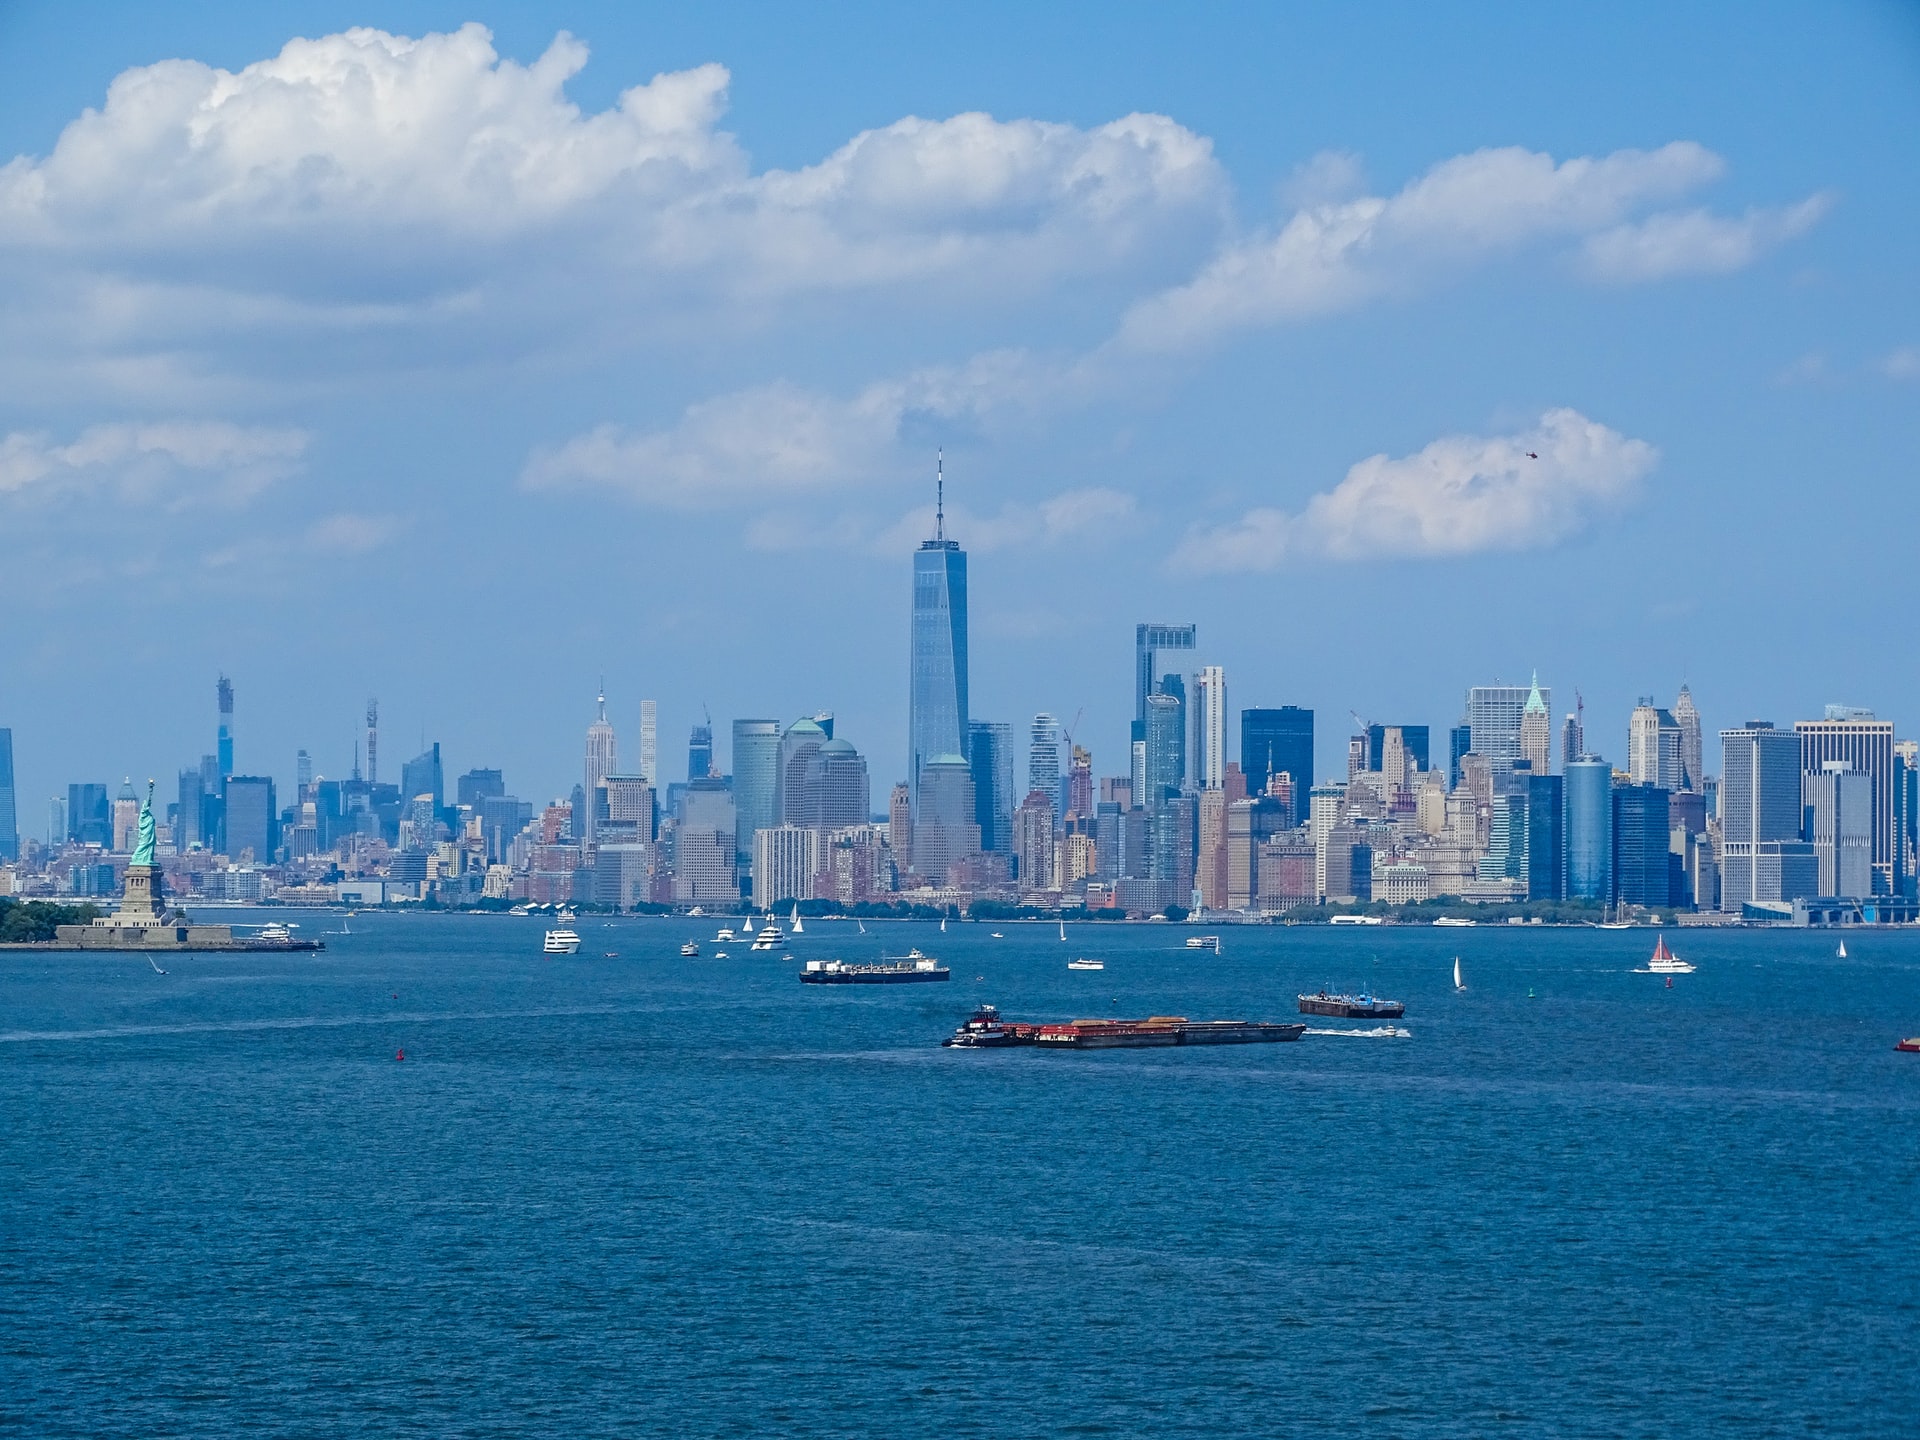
column 937, row 705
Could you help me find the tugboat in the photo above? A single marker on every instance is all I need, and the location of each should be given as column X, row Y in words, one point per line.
column 1351, row 1007
column 983, row 1030
column 914, row 968
column 1664, row 961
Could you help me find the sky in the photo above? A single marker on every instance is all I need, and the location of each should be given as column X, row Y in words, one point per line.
column 463, row 357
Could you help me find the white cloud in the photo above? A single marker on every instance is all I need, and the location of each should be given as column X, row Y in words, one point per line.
column 173, row 464
column 1460, row 495
column 781, row 441
column 348, row 533
column 1338, row 252
column 1902, row 364
column 1695, row 242
column 370, row 169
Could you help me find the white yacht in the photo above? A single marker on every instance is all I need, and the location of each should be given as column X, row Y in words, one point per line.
column 723, row 934
column 771, row 937
column 1664, row 961
column 564, row 941
column 691, row 949
column 1085, row 964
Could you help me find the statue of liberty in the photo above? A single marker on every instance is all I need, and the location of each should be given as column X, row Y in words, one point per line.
column 143, row 852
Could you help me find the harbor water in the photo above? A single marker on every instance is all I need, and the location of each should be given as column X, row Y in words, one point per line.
column 641, row 1194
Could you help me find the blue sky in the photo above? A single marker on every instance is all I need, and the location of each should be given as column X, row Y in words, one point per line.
column 433, row 368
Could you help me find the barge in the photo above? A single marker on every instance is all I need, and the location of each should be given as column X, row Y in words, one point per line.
column 915, row 968
column 985, row 1029
column 1351, row 1007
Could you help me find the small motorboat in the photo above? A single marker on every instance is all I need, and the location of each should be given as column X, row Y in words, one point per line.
column 563, row 941
column 996, row 935
column 1083, row 963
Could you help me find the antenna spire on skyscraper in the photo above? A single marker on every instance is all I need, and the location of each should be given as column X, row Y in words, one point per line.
column 940, row 493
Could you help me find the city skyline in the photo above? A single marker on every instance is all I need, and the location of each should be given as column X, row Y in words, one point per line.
column 307, row 450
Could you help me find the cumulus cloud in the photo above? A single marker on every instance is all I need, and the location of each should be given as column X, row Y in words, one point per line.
column 1695, row 242
column 172, row 465
column 782, row 441
column 1337, row 252
column 1460, row 495
column 418, row 160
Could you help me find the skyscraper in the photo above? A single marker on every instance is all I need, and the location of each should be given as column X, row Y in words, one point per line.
column 224, row 749
column 423, row 775
column 1693, row 773
column 1165, row 738
column 1459, row 742
column 1859, row 741
column 1573, row 743
column 1536, row 729
column 1642, row 858
column 650, row 741
column 1158, row 651
column 1654, row 746
column 700, row 751
column 1209, row 756
column 798, row 746
column 252, row 819
column 937, row 665
column 89, row 821
column 1278, row 740
column 756, row 781
column 990, row 757
column 1761, row 817
column 9, row 809
column 373, row 742
column 1043, row 759
column 1494, row 713
column 602, row 761
column 1589, row 843
column 1546, row 867
column 1840, row 802
column 943, row 826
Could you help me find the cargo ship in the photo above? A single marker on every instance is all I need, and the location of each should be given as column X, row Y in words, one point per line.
column 1351, row 1007
column 914, row 968
column 985, row 1029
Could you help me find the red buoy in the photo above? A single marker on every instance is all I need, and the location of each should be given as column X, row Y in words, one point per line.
column 399, row 1054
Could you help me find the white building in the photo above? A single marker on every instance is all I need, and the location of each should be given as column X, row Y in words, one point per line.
column 1208, row 766
column 785, row 860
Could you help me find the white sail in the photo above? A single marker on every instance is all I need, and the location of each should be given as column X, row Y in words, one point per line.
column 943, row 924
column 746, row 926
column 1063, row 929
column 798, row 928
column 1843, row 951
column 862, row 924
column 1456, row 974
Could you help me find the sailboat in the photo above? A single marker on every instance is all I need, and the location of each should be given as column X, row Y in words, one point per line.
column 1458, row 983
column 943, row 924
column 1063, row 929
column 1843, row 951
column 1664, row 961
column 746, row 926
column 861, row 923
column 797, row 928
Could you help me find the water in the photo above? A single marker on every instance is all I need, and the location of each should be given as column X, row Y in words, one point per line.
column 654, row 1196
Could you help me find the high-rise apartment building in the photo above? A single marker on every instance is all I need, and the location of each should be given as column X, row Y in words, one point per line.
column 1762, row 857
column 1033, row 841
column 937, row 665
column 900, row 828
column 1693, row 773
column 9, row 800
column 756, row 781
column 1494, row 713
column 1165, row 739
column 1043, row 759
column 1080, row 782
column 785, row 860
column 650, row 741
column 1589, row 842
column 602, row 761
column 990, row 757
column 1209, row 753
column 1654, row 745
column 1536, row 730
column 1278, row 741
column 1860, row 742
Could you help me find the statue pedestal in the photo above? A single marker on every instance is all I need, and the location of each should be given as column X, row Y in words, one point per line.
column 141, row 905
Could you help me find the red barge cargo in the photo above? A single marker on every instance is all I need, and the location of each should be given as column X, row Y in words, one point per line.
column 985, row 1029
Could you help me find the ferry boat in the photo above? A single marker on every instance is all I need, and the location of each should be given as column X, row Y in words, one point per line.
column 566, row 915
column 1083, row 963
column 722, row 934
column 1664, row 961
column 275, row 933
column 914, row 968
column 771, row 937
column 1455, row 921
column 564, row 941
column 691, row 949
column 1356, row 920
column 983, row 1030
column 1351, row 1007
column 1204, row 942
